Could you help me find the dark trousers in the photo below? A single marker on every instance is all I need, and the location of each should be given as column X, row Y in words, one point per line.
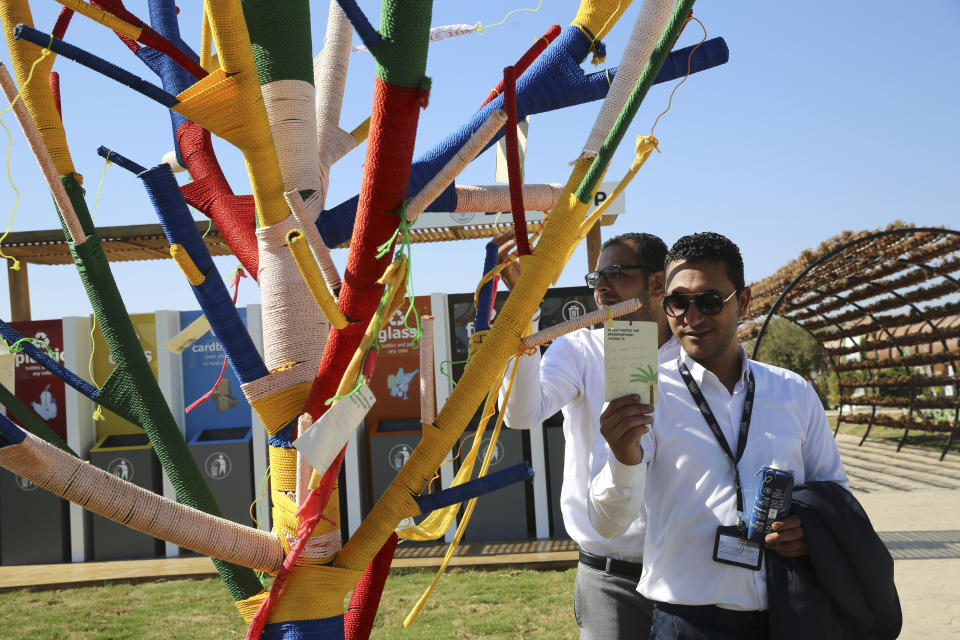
column 684, row 622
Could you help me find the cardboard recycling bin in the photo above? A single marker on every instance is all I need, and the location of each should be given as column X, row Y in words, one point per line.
column 130, row 457
column 225, row 456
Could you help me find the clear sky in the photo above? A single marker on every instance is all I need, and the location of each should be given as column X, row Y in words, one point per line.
column 828, row 116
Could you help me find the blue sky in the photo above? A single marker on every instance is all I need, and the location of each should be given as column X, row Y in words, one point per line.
column 829, row 116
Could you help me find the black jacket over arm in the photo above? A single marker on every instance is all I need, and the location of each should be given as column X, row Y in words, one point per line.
column 844, row 588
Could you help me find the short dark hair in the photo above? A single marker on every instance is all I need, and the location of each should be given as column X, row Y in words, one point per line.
column 709, row 246
column 649, row 249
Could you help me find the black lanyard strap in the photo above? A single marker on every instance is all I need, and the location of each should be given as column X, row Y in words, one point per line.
column 715, row 426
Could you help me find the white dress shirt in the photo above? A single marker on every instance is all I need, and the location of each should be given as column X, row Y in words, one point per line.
column 570, row 378
column 685, row 483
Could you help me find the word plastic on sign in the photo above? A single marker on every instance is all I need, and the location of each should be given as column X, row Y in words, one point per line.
column 322, row 442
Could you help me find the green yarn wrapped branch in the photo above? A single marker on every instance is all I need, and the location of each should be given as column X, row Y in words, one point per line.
column 133, row 390
column 401, row 55
column 280, row 36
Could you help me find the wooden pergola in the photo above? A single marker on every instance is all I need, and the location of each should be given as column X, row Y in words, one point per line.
column 147, row 242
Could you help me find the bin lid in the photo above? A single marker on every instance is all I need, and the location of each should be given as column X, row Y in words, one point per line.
column 398, row 425
column 222, row 434
column 116, row 441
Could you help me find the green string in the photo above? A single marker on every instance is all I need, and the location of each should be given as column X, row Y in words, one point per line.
column 16, row 348
column 451, row 363
column 403, row 230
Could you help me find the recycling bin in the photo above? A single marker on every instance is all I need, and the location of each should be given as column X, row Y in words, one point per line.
column 33, row 523
column 130, row 457
column 391, row 444
column 554, row 443
column 507, row 513
column 225, row 456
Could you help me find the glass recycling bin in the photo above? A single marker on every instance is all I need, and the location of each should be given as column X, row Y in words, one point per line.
column 33, row 523
column 225, row 456
column 130, row 457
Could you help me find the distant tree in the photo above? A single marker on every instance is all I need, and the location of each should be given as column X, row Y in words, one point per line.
column 785, row 344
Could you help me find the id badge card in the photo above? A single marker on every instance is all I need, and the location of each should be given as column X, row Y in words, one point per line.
column 733, row 547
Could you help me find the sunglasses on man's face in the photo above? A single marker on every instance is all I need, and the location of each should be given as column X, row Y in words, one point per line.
column 611, row 273
column 709, row 303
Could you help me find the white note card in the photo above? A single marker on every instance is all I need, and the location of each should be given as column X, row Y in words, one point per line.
column 630, row 359
column 322, row 442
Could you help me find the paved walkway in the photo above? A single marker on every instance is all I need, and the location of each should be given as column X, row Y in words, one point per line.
column 912, row 500
column 911, row 497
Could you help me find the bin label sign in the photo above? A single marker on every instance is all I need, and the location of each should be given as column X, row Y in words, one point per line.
column 573, row 310
column 218, row 465
column 26, row 485
column 497, row 451
column 399, row 455
column 122, row 468
column 399, row 383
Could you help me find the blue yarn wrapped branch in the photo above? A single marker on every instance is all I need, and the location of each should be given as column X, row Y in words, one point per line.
column 95, row 63
column 212, row 293
column 475, row 488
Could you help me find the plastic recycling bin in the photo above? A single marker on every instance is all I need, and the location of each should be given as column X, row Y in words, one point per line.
column 33, row 523
column 130, row 457
column 225, row 456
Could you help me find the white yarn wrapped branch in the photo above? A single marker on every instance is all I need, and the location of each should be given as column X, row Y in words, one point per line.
column 496, row 197
column 440, row 33
column 307, row 219
column 107, row 495
column 292, row 116
column 457, row 163
column 603, row 313
column 649, row 26
column 40, row 151
column 428, row 400
column 330, row 78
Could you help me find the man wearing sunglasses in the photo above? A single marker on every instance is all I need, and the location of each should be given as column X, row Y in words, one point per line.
column 719, row 418
column 570, row 378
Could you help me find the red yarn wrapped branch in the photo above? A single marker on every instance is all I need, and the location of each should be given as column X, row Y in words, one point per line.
column 358, row 620
column 235, row 216
column 513, row 161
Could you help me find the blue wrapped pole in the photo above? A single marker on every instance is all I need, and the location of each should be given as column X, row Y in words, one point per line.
column 475, row 488
column 212, row 293
column 485, row 299
column 43, row 359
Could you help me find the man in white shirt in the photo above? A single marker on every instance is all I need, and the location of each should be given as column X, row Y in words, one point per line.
column 570, row 378
column 703, row 575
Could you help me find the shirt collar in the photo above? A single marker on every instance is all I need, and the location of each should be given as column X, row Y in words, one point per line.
column 699, row 372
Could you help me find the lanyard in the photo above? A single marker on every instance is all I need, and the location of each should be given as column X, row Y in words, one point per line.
column 715, row 426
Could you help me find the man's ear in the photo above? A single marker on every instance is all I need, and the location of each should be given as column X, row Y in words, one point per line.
column 744, row 300
column 655, row 285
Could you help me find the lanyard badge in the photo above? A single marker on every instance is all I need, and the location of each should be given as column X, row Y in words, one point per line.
column 731, row 545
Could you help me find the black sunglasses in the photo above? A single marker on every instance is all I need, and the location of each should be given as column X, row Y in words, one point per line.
column 611, row 273
column 710, row 303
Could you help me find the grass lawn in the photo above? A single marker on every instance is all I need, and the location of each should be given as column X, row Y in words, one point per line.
column 466, row 604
